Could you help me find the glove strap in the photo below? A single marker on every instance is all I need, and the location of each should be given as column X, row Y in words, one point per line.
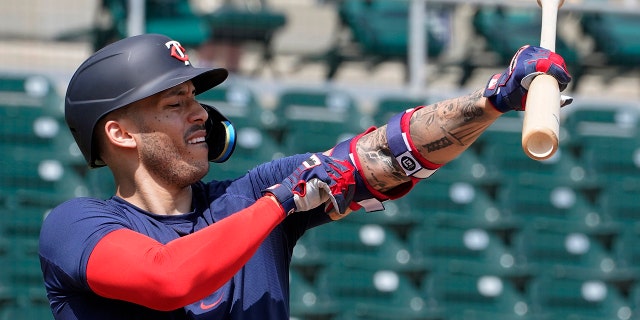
column 284, row 196
column 365, row 196
column 403, row 149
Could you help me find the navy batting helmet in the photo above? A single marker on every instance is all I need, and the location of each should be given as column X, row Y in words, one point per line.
column 133, row 69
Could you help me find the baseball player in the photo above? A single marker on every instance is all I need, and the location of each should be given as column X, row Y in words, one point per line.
column 170, row 246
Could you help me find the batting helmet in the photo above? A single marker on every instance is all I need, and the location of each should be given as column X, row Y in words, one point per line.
column 133, row 69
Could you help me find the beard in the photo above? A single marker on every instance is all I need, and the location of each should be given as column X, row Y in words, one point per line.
column 166, row 162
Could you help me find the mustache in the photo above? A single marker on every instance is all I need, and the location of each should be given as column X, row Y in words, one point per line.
column 193, row 129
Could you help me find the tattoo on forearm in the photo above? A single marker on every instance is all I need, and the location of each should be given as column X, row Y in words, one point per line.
column 376, row 157
column 463, row 129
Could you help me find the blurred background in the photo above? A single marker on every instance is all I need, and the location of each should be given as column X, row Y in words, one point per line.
column 492, row 235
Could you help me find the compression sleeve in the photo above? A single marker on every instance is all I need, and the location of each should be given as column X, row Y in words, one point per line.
column 130, row 266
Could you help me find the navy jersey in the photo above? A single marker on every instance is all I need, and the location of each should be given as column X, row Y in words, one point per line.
column 258, row 291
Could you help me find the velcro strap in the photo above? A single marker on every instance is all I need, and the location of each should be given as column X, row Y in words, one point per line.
column 365, row 197
column 402, row 148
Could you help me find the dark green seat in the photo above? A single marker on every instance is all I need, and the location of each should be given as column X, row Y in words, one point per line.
column 481, row 296
column 553, row 206
column 387, row 106
column 315, row 120
column 510, row 163
column 379, row 31
column 369, row 246
column 490, row 22
column 22, row 224
column 564, row 253
column 626, row 253
column 463, row 250
column 458, row 203
column 29, row 90
column 614, row 35
column 253, row 148
column 307, row 302
column 612, row 160
column 39, row 181
column 240, row 104
column 593, row 120
column 173, row 18
column 565, row 298
column 30, row 312
column 373, row 294
column 620, row 204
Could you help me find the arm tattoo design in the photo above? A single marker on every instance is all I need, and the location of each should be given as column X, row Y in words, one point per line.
column 454, row 123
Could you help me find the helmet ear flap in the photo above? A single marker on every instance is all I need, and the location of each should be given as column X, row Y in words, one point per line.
column 221, row 135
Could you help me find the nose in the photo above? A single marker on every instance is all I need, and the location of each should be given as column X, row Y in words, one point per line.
column 200, row 114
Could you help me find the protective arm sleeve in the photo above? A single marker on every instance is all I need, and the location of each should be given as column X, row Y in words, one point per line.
column 130, row 266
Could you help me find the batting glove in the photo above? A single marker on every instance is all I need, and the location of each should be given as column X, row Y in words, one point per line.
column 508, row 90
column 319, row 180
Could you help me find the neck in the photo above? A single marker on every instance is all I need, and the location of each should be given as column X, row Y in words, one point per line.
column 152, row 195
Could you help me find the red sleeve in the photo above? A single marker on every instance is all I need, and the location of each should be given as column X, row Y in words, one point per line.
column 130, row 266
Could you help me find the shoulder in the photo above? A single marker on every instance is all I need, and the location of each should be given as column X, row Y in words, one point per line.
column 83, row 207
column 87, row 217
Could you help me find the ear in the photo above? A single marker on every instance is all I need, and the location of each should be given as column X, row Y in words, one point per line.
column 118, row 135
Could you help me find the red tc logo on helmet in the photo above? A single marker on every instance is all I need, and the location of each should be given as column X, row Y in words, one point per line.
column 178, row 51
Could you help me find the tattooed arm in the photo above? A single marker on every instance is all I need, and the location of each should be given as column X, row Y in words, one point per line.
column 440, row 132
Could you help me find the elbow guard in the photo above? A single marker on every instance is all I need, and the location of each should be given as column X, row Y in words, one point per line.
column 401, row 146
column 403, row 149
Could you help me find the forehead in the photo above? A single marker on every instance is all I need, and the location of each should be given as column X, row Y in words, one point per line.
column 183, row 88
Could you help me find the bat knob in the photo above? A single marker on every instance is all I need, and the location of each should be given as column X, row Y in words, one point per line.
column 560, row 2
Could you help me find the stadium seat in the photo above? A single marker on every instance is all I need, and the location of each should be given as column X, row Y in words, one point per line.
column 506, row 130
column 614, row 35
column 620, row 204
column 458, row 203
column 490, row 20
column 364, row 245
column 463, row 250
column 240, row 104
column 553, row 206
column 174, row 18
column 306, row 302
column 367, row 293
column 510, row 163
column 468, row 167
column 378, row 32
column 398, row 215
column 389, row 105
column 315, row 120
column 612, row 160
column 30, row 312
column 588, row 120
column 177, row 20
column 253, row 147
column 481, row 296
column 22, row 277
column 634, row 298
column 565, row 298
column 29, row 90
column 39, row 181
column 564, row 253
column 23, row 222
column 626, row 254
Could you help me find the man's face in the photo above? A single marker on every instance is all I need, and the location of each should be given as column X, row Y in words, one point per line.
column 171, row 137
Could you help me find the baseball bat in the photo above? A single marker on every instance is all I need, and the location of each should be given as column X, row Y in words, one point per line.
column 541, row 124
